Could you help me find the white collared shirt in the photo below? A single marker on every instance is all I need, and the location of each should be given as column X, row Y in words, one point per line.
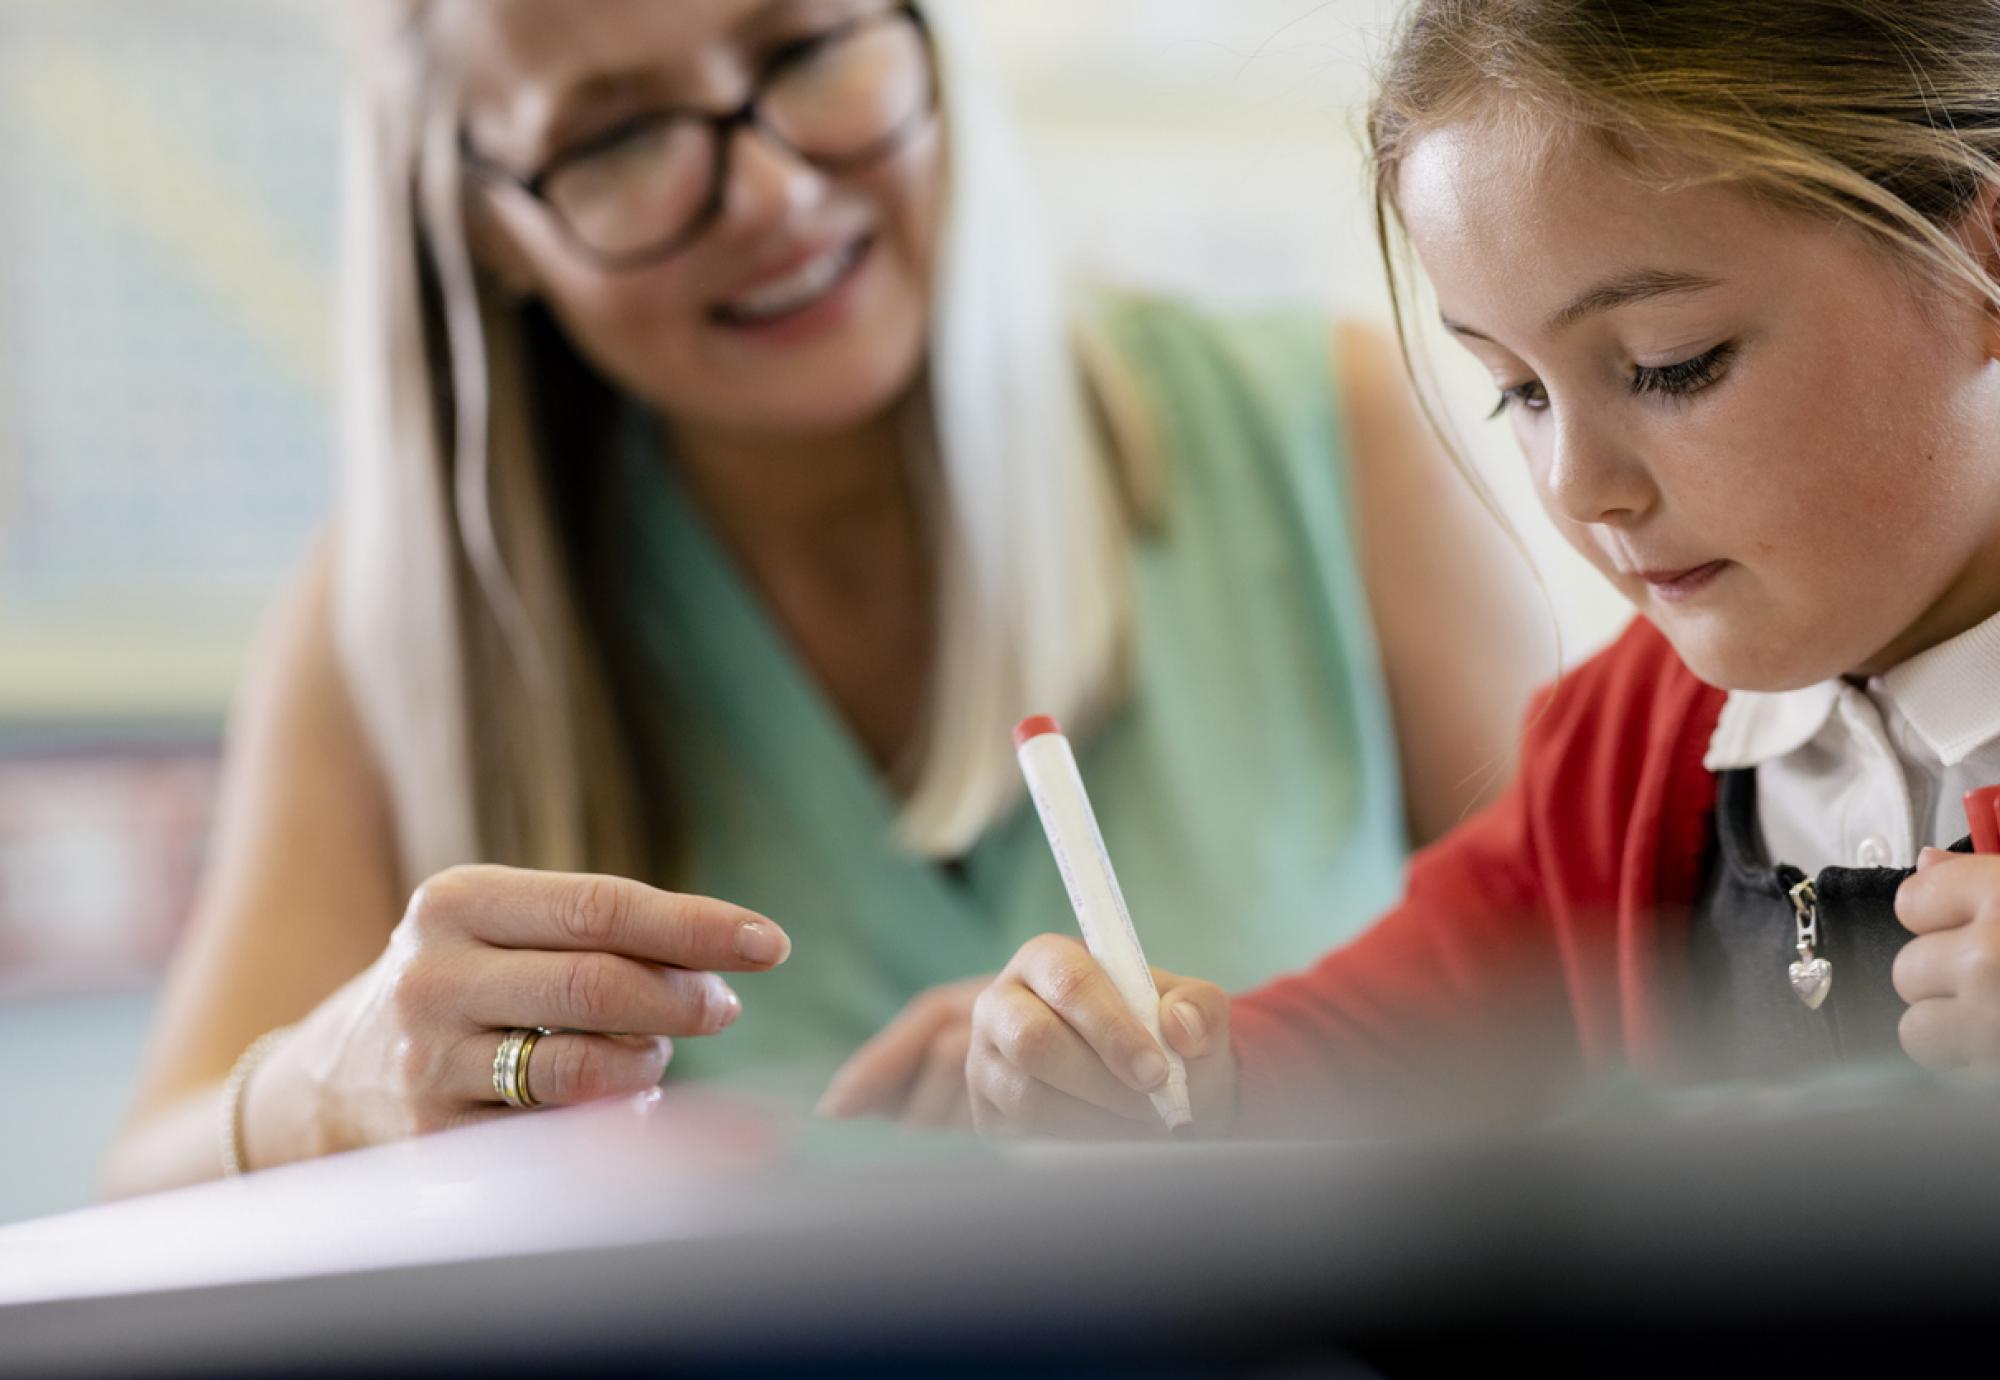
column 1865, row 775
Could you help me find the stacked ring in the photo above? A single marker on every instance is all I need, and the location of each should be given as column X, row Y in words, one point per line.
column 510, row 1066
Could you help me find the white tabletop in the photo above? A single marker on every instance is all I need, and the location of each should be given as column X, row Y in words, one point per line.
column 645, row 1167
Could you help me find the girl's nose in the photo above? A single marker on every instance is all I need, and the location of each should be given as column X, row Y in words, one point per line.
column 1592, row 478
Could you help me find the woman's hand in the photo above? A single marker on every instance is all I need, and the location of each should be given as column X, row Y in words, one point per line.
column 407, row 1047
column 1055, row 1051
column 914, row 1070
column 1950, row 973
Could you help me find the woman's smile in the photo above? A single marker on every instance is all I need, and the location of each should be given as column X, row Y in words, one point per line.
column 807, row 299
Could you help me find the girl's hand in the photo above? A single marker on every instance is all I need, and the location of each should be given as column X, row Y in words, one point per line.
column 1950, row 973
column 615, row 967
column 914, row 1071
column 1056, row 1052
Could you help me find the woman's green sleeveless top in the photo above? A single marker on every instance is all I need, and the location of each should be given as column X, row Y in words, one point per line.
column 1247, row 789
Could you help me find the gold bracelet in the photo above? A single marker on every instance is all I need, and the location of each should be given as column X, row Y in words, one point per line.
column 233, row 1157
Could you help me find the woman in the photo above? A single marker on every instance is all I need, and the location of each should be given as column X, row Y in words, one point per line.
column 722, row 483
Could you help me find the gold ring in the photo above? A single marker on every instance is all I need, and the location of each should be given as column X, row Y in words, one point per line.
column 510, row 1066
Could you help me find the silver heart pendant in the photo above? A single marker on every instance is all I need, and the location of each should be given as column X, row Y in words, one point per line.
column 1812, row 979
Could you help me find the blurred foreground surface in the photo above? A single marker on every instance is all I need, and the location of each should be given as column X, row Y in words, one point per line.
column 1844, row 1229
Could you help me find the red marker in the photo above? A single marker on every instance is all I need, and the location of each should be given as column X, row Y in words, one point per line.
column 1982, row 812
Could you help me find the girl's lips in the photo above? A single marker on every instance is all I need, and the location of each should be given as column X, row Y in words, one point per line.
column 1674, row 585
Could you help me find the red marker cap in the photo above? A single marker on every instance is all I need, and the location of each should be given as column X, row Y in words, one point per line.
column 1982, row 812
column 1035, row 727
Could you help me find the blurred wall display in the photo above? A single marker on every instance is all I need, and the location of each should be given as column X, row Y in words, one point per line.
column 98, row 855
column 166, row 169
column 166, row 243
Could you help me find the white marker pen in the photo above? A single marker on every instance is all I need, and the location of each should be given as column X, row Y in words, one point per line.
column 1071, row 826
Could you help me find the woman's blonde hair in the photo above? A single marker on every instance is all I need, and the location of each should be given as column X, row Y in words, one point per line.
column 470, row 614
column 1883, row 114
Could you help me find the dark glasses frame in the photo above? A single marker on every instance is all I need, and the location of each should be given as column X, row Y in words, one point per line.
column 722, row 127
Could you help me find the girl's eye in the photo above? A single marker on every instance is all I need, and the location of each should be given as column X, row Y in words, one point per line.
column 1687, row 377
column 1680, row 380
column 1530, row 395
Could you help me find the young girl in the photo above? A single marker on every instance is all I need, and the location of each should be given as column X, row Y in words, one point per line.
column 1733, row 266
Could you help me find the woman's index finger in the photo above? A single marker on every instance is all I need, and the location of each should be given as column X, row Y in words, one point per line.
column 603, row 914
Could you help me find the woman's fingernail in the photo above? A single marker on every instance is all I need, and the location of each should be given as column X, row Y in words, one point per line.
column 728, row 1006
column 1150, row 1070
column 757, row 942
column 1189, row 1015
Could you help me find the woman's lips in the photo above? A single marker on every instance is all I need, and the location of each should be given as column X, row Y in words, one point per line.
column 801, row 285
column 1675, row 585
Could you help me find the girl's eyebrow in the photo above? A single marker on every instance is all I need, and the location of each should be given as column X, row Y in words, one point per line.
column 1639, row 285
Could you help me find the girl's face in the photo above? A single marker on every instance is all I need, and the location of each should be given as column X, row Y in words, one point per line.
column 1768, row 435
column 803, row 308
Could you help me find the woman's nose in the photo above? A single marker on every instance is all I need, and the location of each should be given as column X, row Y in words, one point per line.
column 1591, row 477
column 767, row 184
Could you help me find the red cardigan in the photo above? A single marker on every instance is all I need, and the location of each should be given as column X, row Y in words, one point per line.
column 1542, row 940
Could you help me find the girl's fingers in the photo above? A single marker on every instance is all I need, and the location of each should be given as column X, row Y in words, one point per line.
column 597, row 992
column 938, row 1098
column 877, row 1079
column 1021, row 1030
column 1194, row 1015
column 1949, row 894
column 1930, row 1034
column 1009, row 1103
column 1070, row 983
column 1927, row 967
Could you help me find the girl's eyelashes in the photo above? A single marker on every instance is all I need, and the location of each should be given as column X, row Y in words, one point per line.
column 1679, row 380
column 1687, row 377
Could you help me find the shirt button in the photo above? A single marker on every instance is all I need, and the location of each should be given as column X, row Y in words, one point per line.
column 1873, row 852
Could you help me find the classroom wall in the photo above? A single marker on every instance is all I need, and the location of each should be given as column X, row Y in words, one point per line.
column 167, row 178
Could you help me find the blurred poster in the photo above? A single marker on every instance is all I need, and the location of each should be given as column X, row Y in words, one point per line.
column 98, row 856
column 167, row 173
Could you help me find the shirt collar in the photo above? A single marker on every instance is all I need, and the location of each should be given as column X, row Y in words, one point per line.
column 1758, row 727
column 1950, row 694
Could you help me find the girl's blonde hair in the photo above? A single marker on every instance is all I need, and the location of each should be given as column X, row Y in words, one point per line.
column 1883, row 114
column 470, row 612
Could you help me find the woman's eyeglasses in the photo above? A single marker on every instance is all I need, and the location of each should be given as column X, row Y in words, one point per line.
column 842, row 100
